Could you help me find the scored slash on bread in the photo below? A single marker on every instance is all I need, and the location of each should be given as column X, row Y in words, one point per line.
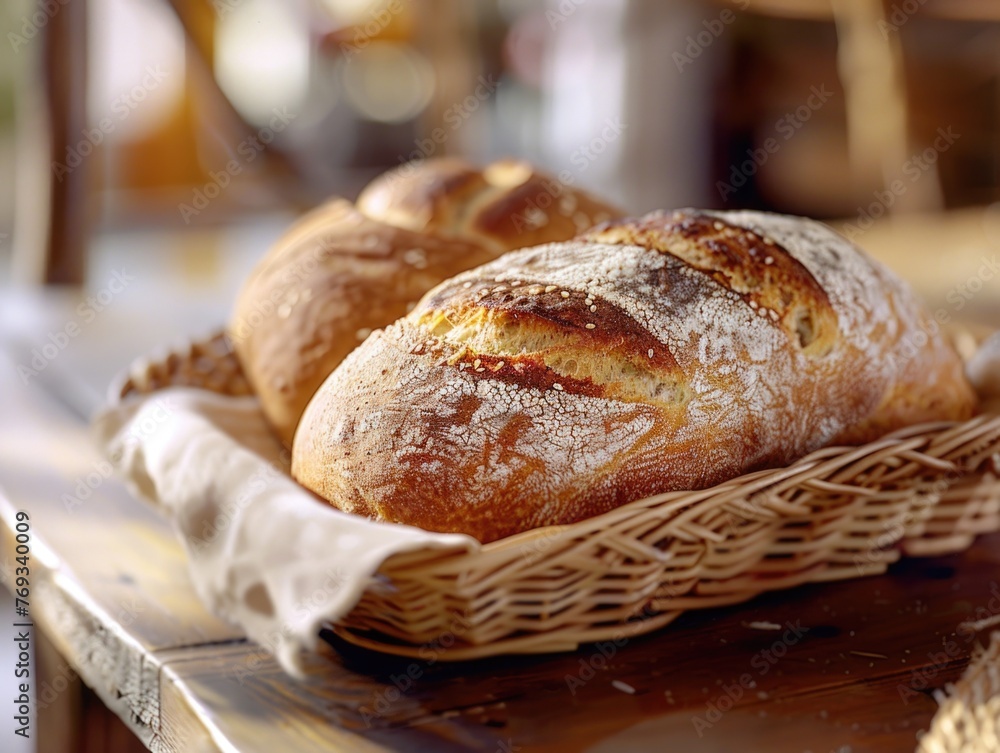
column 506, row 205
column 345, row 269
column 669, row 352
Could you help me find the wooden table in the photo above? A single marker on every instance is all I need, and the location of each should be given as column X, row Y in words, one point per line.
column 848, row 666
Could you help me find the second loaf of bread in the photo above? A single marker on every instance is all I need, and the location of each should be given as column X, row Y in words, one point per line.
column 666, row 353
column 344, row 269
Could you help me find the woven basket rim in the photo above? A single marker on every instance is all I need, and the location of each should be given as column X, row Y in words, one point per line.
column 577, row 565
column 753, row 482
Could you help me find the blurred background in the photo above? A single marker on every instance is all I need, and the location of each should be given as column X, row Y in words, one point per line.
column 170, row 141
column 154, row 149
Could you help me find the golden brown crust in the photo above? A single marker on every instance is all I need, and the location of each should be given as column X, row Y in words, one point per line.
column 424, row 196
column 506, row 205
column 762, row 272
column 342, row 271
column 312, row 301
column 657, row 354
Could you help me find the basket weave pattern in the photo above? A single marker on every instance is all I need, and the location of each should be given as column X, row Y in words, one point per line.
column 841, row 512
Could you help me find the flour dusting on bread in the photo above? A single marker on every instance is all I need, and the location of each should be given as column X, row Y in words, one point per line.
column 669, row 352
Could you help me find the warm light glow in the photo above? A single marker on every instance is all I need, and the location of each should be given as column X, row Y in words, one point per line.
column 136, row 66
column 262, row 59
column 352, row 11
column 387, row 82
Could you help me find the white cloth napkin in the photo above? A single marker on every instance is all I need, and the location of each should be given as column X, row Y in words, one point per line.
column 264, row 553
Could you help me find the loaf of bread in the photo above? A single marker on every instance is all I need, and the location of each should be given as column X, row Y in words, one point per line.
column 344, row 270
column 670, row 352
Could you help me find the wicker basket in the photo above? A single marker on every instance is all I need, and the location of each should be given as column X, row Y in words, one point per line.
column 841, row 512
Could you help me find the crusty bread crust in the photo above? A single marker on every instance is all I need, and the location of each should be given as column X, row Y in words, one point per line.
column 343, row 270
column 669, row 352
column 505, row 206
